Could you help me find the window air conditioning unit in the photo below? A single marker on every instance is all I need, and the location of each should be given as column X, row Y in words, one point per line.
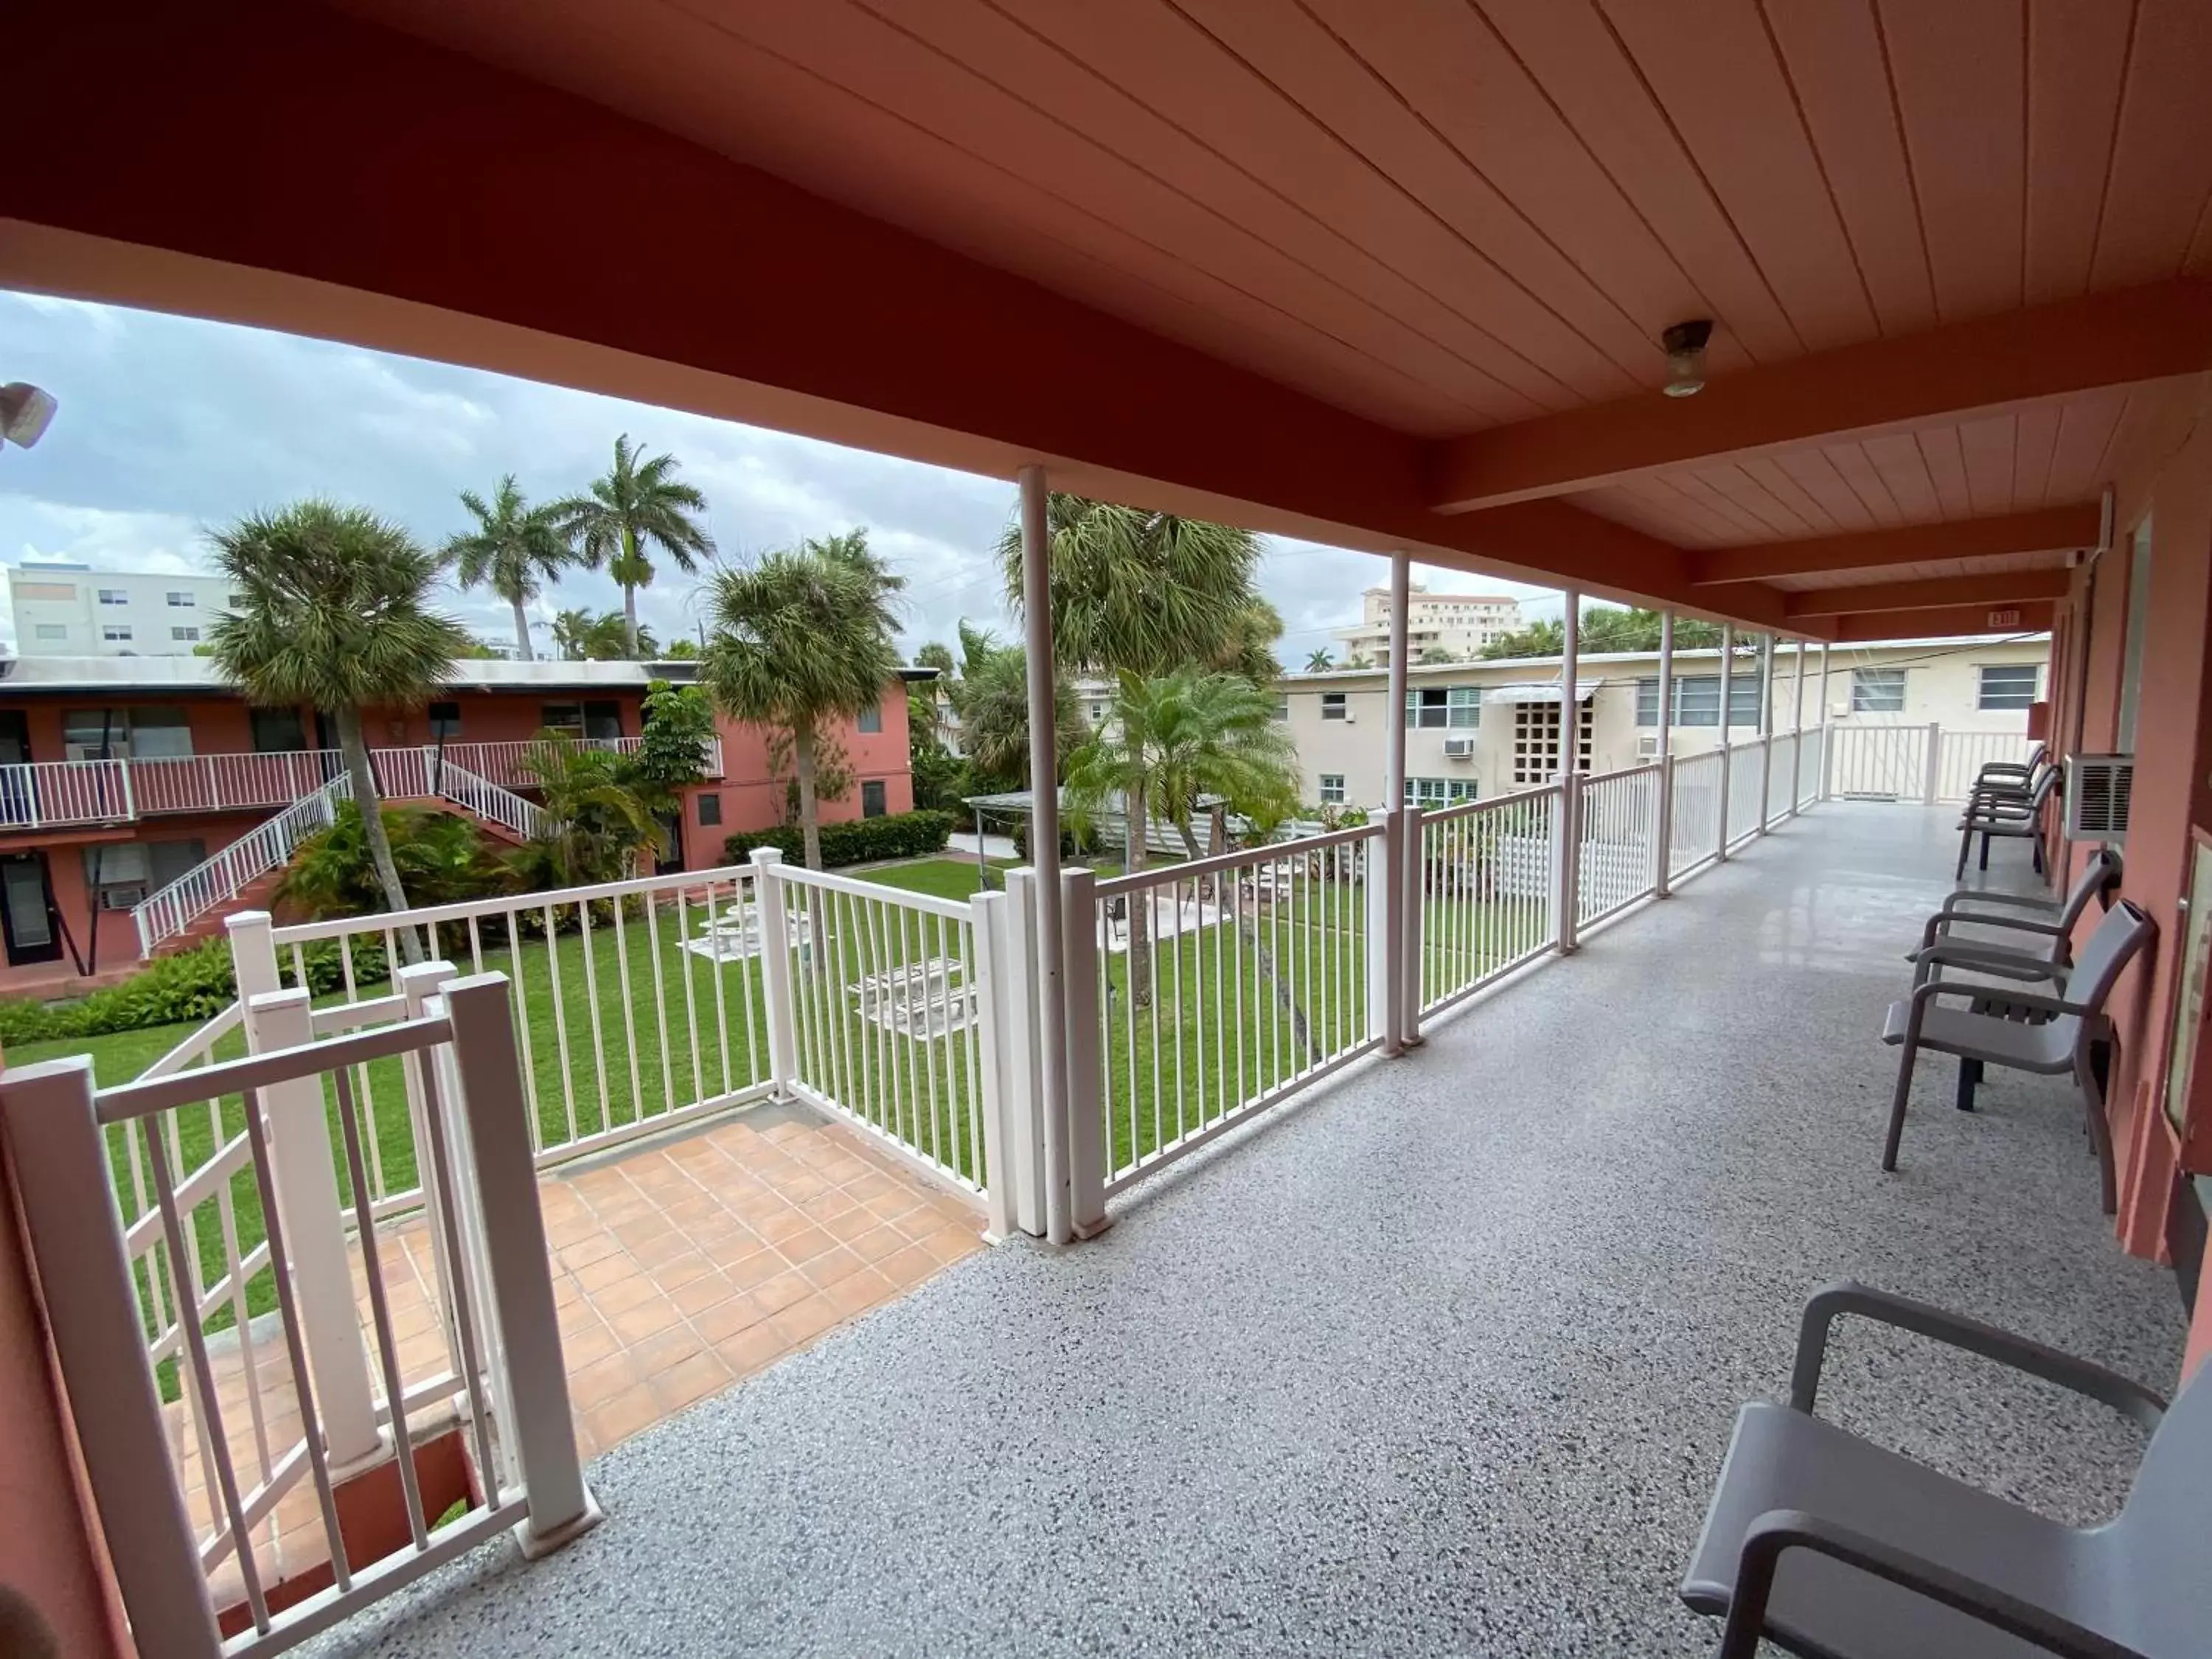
column 1647, row 748
column 122, row 898
column 1459, row 748
column 2098, row 788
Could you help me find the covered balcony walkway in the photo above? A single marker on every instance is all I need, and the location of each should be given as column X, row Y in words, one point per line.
column 1441, row 1359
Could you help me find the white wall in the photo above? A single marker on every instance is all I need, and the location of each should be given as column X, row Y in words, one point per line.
column 46, row 601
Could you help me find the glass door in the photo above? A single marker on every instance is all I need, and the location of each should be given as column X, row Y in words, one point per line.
column 26, row 921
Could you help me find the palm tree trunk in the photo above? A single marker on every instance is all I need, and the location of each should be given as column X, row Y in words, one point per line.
column 522, row 631
column 802, row 764
column 1140, row 907
column 1248, row 928
column 629, row 593
column 362, row 774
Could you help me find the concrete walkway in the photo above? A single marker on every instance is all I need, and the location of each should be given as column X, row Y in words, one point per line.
column 1442, row 1360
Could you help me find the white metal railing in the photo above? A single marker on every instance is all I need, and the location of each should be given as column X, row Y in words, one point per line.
column 37, row 794
column 1487, row 891
column 210, row 783
column 1881, row 762
column 1205, row 991
column 1746, row 789
column 1783, row 747
column 503, row 762
column 488, row 800
column 1960, row 756
column 1618, row 824
column 1693, row 833
column 885, row 992
column 1812, row 764
column 192, row 1523
column 223, row 875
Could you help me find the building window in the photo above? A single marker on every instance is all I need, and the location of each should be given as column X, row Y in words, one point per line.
column 871, row 718
column 710, row 811
column 1439, row 792
column 2007, row 685
column 236, row 601
column 187, row 635
column 1283, row 708
column 1331, row 705
column 277, row 731
column 96, row 734
column 180, row 600
column 445, row 721
column 1332, row 789
column 1536, row 741
column 115, row 633
column 1877, row 691
column 52, row 631
column 1458, row 707
column 159, row 733
column 113, row 596
column 872, row 804
column 591, row 721
column 45, row 591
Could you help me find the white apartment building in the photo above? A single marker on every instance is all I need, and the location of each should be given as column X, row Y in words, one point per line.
column 1460, row 624
column 1476, row 730
column 70, row 610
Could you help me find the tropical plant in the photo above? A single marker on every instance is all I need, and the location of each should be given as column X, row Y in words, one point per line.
column 596, row 824
column 639, row 506
column 584, row 637
column 1436, row 654
column 1546, row 637
column 333, row 609
column 1167, row 744
column 443, row 858
column 797, row 641
column 1150, row 593
column 671, row 749
column 1320, row 662
column 992, row 701
column 514, row 550
column 675, row 650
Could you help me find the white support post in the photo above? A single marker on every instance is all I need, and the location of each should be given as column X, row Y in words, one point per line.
column 1394, row 772
column 1408, row 886
column 541, row 1434
column 305, row 1170
column 1383, row 884
column 1086, row 1119
column 1569, row 873
column 775, row 968
column 1765, row 731
column 1053, row 1014
column 1662, row 836
column 417, row 983
column 1024, row 1084
column 986, row 924
column 1932, row 771
column 1798, row 734
column 66, row 1189
column 1827, row 769
column 1728, row 757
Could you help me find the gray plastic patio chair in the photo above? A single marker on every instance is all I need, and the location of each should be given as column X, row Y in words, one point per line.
column 2026, row 1031
column 1832, row 1547
column 2042, row 929
column 2008, row 815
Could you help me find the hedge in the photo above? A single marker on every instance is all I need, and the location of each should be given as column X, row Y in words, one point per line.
column 857, row 841
column 190, row 985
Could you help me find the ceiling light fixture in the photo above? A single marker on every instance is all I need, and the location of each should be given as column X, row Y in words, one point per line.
column 24, row 412
column 1686, row 357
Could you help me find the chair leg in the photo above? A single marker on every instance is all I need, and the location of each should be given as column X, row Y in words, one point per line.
column 2035, row 846
column 1970, row 1074
column 2094, row 1070
column 1966, row 846
column 1897, row 1107
column 1985, row 850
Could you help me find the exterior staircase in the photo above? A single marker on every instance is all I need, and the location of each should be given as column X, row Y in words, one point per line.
column 192, row 908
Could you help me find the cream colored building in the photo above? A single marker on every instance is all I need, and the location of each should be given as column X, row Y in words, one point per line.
column 1476, row 730
column 1460, row 624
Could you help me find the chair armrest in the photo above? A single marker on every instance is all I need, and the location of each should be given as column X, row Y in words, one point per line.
column 2001, row 960
column 2005, row 769
column 2031, row 1000
column 1966, row 895
column 2125, row 1395
column 1776, row 1531
column 1939, row 925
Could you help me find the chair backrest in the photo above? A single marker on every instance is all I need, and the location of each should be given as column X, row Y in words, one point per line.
column 2125, row 931
column 2100, row 879
column 2160, row 1535
column 2045, row 785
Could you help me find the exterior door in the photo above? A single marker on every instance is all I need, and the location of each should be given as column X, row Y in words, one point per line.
column 27, row 924
column 17, row 802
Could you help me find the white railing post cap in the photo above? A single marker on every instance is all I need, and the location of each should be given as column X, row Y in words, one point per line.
column 240, row 920
column 263, row 1001
column 767, row 855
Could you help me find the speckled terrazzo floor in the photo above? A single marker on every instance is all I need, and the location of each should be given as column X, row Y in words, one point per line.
column 1441, row 1361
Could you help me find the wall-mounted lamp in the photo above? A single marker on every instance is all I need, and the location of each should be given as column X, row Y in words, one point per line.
column 24, row 413
column 1686, row 357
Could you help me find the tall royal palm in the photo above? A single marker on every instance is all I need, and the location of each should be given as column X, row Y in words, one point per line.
column 1150, row 593
column 333, row 609
column 514, row 551
column 799, row 640
column 639, row 507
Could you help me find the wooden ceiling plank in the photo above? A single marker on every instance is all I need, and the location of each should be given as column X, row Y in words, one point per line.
column 1856, row 468
column 1814, row 471
column 2162, row 159
column 2085, row 432
column 1754, row 498
column 1779, row 482
column 1987, row 365
column 2076, row 58
column 1993, row 588
column 1946, row 468
column 2047, row 530
column 1833, row 55
column 1989, row 448
column 2038, row 435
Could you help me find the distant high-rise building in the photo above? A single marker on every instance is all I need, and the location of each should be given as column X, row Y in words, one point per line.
column 1458, row 623
column 66, row 608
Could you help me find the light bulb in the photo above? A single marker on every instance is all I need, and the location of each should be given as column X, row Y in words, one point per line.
column 1686, row 357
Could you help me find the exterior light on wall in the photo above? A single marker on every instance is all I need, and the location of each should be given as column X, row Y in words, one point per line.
column 25, row 412
column 1686, row 357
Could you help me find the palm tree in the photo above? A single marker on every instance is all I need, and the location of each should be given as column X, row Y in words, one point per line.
column 801, row 638
column 595, row 822
column 639, row 504
column 1320, row 662
column 609, row 636
column 1169, row 743
column 992, row 698
column 331, row 609
column 515, row 549
column 1147, row 591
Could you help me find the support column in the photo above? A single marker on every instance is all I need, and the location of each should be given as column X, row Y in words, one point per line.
column 1568, row 873
column 1044, row 848
column 1727, row 757
column 1765, row 731
column 1662, row 836
column 1393, row 856
column 1088, row 1152
column 775, row 930
column 1393, row 771
column 1797, row 739
column 1827, row 769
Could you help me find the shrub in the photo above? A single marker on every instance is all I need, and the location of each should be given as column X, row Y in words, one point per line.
column 194, row 985
column 859, row 841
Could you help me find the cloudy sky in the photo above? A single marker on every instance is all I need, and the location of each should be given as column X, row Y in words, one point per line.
column 169, row 425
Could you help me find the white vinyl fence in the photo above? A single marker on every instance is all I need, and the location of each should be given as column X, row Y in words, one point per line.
column 1618, row 821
